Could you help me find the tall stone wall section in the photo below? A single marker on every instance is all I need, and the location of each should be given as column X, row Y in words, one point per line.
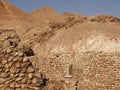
column 17, row 72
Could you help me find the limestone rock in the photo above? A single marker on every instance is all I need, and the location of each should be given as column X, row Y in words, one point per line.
column 25, row 59
column 24, row 80
column 30, row 75
column 4, row 75
column 21, row 74
column 34, row 80
column 23, row 70
column 4, row 61
column 21, row 54
column 18, row 79
column 13, row 69
column 18, row 64
column 2, row 80
column 17, row 85
column 12, row 85
column 30, row 70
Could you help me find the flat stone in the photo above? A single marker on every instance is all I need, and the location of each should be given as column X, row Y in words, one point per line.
column 36, row 88
column 68, row 76
column 21, row 74
column 21, row 54
column 24, row 80
column 15, row 59
column 18, row 89
column 30, row 70
column 4, row 75
column 34, row 80
column 4, row 61
column 13, row 69
column 23, row 70
column 17, row 85
column 22, row 85
column 15, row 54
column 25, row 64
column 12, row 75
column 16, row 75
column 7, row 70
column 30, row 75
column 12, row 85
column 6, row 65
column 8, row 50
column 25, row 59
column 2, row 80
column 10, row 64
column 29, row 81
column 18, row 64
column 18, row 79
column 1, row 65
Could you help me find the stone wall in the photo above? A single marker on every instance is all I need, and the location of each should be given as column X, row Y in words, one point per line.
column 92, row 70
column 17, row 71
column 103, row 72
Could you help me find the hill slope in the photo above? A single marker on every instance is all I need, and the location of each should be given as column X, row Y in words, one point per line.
column 14, row 18
column 46, row 14
column 79, row 36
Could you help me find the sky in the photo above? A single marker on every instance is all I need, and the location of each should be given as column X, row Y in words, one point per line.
column 86, row 7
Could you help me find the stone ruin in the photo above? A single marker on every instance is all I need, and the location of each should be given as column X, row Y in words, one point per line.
column 17, row 72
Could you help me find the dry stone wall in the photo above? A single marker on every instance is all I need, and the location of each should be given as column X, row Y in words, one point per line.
column 103, row 72
column 16, row 69
column 17, row 73
column 90, row 70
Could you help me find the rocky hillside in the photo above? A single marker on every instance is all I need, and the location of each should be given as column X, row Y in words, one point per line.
column 77, row 35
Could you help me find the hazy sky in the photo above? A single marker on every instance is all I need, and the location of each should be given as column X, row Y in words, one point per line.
column 86, row 7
